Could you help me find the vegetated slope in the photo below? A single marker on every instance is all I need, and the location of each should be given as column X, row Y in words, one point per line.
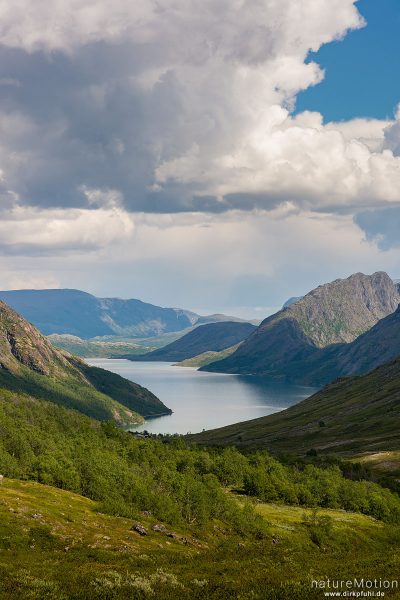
column 30, row 364
column 213, row 337
column 72, row 551
column 351, row 416
column 65, row 311
column 176, row 483
column 80, row 543
column 55, row 544
column 205, row 358
column 337, row 312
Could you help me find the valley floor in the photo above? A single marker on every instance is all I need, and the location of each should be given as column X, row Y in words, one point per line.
column 55, row 545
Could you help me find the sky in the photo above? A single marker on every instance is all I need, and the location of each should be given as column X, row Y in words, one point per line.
column 218, row 156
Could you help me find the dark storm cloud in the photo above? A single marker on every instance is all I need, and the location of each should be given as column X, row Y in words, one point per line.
column 71, row 122
column 84, row 122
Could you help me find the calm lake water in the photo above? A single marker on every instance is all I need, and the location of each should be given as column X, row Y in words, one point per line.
column 204, row 400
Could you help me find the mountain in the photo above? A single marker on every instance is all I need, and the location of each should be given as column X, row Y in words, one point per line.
column 30, row 364
column 354, row 415
column 378, row 345
column 213, row 337
column 333, row 313
column 85, row 316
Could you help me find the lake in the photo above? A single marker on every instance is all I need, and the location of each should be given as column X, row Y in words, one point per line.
column 202, row 400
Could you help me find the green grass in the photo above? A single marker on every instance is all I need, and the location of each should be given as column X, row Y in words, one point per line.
column 55, row 545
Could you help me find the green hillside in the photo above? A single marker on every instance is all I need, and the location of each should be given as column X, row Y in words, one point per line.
column 353, row 416
column 226, row 525
column 206, row 358
column 31, row 365
column 56, row 545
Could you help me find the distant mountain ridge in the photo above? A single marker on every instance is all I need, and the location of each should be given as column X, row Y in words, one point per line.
column 30, row 364
column 212, row 337
column 67, row 311
column 333, row 313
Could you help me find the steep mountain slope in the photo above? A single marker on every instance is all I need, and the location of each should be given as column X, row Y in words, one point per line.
column 213, row 337
column 375, row 347
column 28, row 363
column 379, row 345
column 337, row 312
column 355, row 415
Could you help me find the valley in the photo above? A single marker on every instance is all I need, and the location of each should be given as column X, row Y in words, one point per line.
column 142, row 475
column 200, row 300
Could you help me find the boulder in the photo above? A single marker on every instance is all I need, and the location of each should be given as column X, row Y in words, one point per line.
column 138, row 527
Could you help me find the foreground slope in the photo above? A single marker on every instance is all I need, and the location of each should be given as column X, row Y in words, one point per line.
column 82, row 542
column 352, row 416
column 56, row 545
column 30, row 364
column 213, row 337
column 334, row 313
